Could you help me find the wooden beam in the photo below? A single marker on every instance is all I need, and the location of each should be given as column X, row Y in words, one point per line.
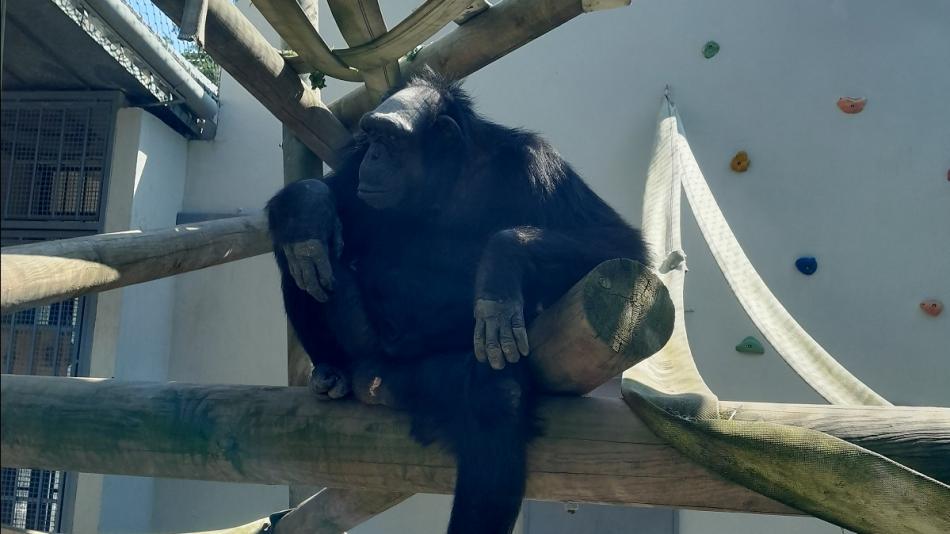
column 917, row 437
column 193, row 18
column 240, row 49
column 295, row 27
column 487, row 37
column 424, row 22
column 475, row 8
column 46, row 272
column 593, row 450
column 361, row 21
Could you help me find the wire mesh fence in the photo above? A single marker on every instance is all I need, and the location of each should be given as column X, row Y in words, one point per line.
column 165, row 28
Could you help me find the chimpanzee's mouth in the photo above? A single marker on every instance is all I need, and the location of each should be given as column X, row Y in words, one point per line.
column 371, row 191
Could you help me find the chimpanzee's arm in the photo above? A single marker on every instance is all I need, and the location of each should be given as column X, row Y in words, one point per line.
column 537, row 266
column 306, row 234
column 321, row 297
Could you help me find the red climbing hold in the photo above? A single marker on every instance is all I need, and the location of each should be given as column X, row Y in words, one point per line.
column 851, row 105
column 931, row 307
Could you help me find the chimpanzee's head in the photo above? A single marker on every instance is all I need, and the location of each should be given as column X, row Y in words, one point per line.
column 415, row 145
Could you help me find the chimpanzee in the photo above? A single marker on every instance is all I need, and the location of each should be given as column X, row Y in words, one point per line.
column 440, row 228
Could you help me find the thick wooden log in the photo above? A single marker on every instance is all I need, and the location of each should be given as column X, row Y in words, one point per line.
column 492, row 34
column 617, row 315
column 593, row 450
column 917, row 437
column 41, row 273
column 239, row 48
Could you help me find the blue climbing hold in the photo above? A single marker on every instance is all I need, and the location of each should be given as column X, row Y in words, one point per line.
column 806, row 265
column 750, row 345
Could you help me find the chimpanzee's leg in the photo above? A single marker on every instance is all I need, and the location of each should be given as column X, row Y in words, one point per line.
column 335, row 334
column 486, row 417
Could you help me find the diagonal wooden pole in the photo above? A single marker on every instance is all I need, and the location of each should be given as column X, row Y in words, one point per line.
column 235, row 44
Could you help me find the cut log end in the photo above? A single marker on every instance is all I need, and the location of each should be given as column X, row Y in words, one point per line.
column 616, row 316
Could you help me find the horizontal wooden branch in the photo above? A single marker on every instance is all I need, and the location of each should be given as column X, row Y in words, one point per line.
column 235, row 44
column 46, row 272
column 487, row 37
column 593, row 450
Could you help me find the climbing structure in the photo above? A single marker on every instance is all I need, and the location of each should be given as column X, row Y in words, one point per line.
column 862, row 464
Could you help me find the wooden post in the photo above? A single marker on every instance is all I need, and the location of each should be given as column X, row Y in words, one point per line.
column 593, row 449
column 41, row 273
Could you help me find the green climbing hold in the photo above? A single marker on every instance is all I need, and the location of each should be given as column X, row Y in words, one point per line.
column 750, row 345
column 710, row 49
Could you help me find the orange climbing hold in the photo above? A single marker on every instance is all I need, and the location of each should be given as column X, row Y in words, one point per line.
column 932, row 307
column 740, row 162
column 851, row 105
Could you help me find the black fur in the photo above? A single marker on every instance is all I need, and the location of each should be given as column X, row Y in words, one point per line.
column 497, row 215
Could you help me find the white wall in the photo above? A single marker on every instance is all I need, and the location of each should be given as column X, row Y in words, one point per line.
column 866, row 194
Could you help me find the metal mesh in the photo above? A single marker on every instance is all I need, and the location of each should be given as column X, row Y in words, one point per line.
column 40, row 341
column 54, row 159
column 30, row 498
column 163, row 26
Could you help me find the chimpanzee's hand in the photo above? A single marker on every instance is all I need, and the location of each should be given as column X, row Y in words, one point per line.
column 306, row 230
column 328, row 382
column 309, row 263
column 500, row 332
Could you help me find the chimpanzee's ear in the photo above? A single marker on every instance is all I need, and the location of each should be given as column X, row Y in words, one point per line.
column 447, row 129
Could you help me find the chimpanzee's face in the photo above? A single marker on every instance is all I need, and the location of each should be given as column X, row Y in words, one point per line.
column 403, row 133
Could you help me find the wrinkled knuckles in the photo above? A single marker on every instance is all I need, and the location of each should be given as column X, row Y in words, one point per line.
column 326, row 382
column 511, row 351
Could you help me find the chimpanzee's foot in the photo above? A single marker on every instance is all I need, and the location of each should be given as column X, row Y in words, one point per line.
column 328, row 382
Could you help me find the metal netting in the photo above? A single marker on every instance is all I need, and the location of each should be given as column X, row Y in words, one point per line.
column 30, row 498
column 167, row 30
column 54, row 159
column 39, row 341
